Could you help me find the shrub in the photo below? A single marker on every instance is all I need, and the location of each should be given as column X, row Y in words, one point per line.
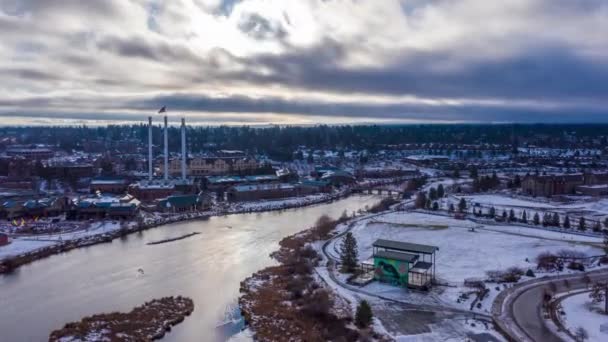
column 546, row 261
column 530, row 273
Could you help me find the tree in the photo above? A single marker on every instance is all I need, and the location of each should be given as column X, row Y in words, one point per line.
column 348, row 253
column 451, row 208
column 536, row 219
column 582, row 226
column 599, row 293
column 462, row 205
column 555, row 220
column 504, row 215
column 511, row 215
column 473, row 172
column 524, row 217
column 435, row 206
column 492, row 213
column 567, row 222
column 597, row 226
column 440, row 191
column 364, row 315
column 433, row 194
column 606, row 223
column 420, row 200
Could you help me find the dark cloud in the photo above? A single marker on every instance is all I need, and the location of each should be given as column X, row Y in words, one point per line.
column 549, row 72
column 141, row 47
column 260, row 28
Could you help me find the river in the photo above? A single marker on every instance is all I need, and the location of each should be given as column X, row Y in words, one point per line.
column 43, row 296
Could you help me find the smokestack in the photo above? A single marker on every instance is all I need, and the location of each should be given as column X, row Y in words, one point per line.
column 166, row 149
column 184, row 149
column 150, row 171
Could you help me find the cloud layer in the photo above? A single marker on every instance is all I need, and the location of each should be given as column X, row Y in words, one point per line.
column 304, row 61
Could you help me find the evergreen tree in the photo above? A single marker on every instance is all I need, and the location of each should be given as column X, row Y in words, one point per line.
column 582, row 226
column 433, row 194
column 462, row 205
column 606, row 223
column 428, row 203
column 504, row 215
column 492, row 213
column 555, row 220
column 435, row 206
column 348, row 253
column 440, row 191
column 536, row 219
column 567, row 222
column 546, row 219
column 473, row 172
column 451, row 208
column 524, row 217
column 364, row 315
column 511, row 215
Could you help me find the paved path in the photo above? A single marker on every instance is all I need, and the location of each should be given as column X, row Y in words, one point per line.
column 519, row 311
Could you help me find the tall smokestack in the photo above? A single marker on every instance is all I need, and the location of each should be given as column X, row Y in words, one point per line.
column 150, row 171
column 166, row 149
column 184, row 149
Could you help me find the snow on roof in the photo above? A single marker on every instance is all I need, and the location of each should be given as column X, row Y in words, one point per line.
column 405, row 246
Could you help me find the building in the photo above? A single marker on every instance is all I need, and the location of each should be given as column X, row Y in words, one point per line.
column 109, row 185
column 592, row 190
column 551, row 185
column 105, row 206
column 404, row 264
column 426, row 160
column 221, row 183
column 4, row 239
column 261, row 191
column 338, row 178
column 184, row 203
column 30, row 152
column 215, row 166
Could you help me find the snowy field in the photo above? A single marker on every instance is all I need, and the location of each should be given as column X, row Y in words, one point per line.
column 580, row 312
column 463, row 254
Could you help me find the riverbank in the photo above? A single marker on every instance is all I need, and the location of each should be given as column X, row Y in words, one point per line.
column 288, row 302
column 9, row 264
column 148, row 322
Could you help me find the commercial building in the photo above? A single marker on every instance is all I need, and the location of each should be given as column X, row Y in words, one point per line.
column 565, row 184
column 268, row 191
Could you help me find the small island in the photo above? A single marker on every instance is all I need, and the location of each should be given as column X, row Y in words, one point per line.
column 144, row 323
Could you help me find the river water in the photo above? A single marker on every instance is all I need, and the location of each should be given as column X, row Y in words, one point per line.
column 43, row 296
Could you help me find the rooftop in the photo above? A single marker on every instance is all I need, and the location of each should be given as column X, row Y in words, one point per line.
column 405, row 246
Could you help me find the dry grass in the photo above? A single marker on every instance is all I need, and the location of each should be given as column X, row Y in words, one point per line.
column 144, row 323
column 285, row 303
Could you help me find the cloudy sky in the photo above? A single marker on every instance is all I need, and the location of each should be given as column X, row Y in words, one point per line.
column 303, row 61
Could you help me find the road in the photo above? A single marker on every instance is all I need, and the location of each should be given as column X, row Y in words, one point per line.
column 524, row 305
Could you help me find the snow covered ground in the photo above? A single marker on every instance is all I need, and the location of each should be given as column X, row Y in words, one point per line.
column 20, row 245
column 581, row 312
column 463, row 254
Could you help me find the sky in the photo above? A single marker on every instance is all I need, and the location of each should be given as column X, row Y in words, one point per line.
column 259, row 62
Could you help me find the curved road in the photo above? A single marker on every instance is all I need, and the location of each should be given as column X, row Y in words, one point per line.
column 524, row 305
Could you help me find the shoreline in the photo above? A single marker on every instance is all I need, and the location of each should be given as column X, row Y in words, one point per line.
column 9, row 264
